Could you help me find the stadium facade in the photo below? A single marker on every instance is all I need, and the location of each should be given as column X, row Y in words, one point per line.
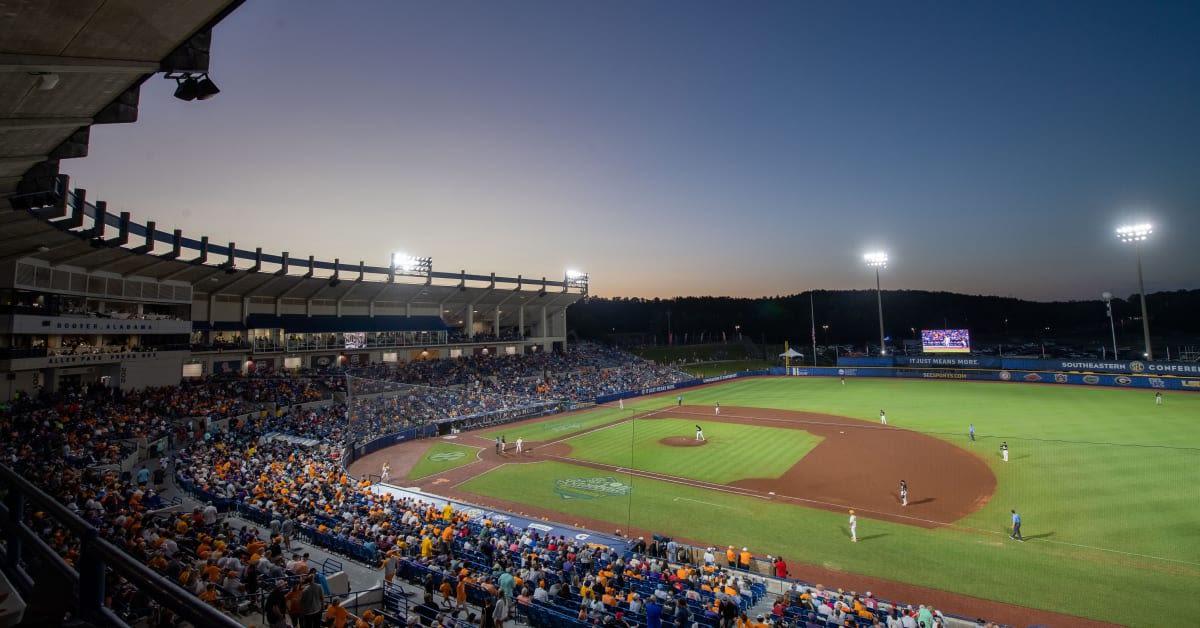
column 93, row 298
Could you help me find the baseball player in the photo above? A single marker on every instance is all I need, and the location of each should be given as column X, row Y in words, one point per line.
column 1158, row 398
column 383, row 475
column 503, row 445
column 1004, row 451
column 621, row 403
column 903, row 493
column 679, row 400
column 520, row 442
column 717, row 408
column 853, row 527
column 699, row 433
column 882, row 417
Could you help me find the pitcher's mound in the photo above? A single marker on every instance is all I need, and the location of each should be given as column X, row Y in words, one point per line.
column 682, row 441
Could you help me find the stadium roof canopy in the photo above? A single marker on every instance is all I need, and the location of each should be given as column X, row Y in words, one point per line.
column 68, row 64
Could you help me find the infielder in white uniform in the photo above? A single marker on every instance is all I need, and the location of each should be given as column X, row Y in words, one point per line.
column 717, row 408
column 520, row 441
column 853, row 526
column 882, row 417
column 1004, row 451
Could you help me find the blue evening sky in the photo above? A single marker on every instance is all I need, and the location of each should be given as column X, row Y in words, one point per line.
column 690, row 148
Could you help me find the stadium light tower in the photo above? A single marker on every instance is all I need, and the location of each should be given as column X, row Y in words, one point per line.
column 576, row 279
column 1107, row 296
column 877, row 260
column 404, row 264
column 1137, row 234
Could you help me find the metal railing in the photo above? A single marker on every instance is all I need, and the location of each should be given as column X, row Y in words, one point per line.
column 21, row 545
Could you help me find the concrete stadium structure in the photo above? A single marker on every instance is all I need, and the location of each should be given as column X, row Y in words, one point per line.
column 88, row 296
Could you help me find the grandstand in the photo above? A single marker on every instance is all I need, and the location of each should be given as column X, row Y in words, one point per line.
column 85, row 309
column 245, row 383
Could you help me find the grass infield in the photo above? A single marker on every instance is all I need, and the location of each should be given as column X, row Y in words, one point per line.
column 730, row 453
column 1106, row 483
column 441, row 457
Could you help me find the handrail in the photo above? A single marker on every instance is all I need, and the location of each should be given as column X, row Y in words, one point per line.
column 96, row 555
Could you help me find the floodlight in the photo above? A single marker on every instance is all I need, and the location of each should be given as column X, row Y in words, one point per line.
column 576, row 279
column 1134, row 233
column 1137, row 234
column 206, row 89
column 877, row 260
column 193, row 86
column 187, row 89
column 405, row 264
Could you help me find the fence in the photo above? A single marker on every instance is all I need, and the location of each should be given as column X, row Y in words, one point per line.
column 22, row 547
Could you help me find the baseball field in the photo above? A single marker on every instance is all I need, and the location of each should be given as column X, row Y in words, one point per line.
column 1105, row 481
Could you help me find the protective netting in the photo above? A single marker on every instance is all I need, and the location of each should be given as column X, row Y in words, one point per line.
column 377, row 407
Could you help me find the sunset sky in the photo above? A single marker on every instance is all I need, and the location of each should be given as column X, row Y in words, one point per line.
column 690, row 148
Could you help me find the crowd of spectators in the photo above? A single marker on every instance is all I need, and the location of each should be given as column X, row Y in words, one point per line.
column 63, row 442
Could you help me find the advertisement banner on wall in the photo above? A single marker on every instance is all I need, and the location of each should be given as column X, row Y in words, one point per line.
column 949, row 361
column 1079, row 365
column 323, row 361
column 226, row 367
column 264, row 364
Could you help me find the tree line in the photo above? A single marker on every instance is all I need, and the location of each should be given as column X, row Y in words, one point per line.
column 851, row 316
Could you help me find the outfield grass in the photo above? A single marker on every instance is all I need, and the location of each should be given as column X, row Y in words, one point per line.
column 733, row 452
column 1105, row 481
column 981, row 563
column 442, row 457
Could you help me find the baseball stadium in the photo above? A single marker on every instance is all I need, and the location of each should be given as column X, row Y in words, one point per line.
column 210, row 434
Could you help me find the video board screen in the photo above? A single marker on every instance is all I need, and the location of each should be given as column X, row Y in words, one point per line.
column 946, row 340
column 355, row 340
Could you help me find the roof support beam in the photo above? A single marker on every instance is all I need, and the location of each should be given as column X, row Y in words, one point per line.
column 34, row 124
column 13, row 62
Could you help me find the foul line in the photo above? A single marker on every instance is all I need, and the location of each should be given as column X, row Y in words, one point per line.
column 867, row 424
column 601, row 428
column 699, row 501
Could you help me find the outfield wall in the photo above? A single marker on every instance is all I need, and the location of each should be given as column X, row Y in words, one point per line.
column 1008, row 374
column 1117, row 367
